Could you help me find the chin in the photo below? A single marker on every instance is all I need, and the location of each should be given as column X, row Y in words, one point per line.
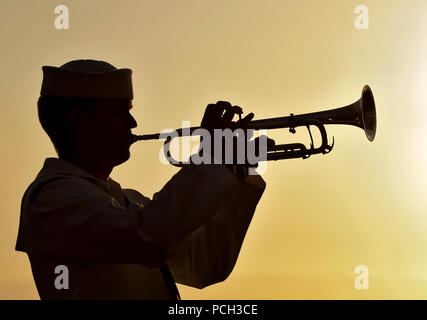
column 121, row 157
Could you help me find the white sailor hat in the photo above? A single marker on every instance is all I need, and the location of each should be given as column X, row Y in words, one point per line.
column 87, row 79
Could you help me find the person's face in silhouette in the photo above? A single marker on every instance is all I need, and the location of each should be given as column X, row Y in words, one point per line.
column 107, row 133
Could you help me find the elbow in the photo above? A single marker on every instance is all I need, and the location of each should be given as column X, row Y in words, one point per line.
column 210, row 281
column 211, row 278
column 200, row 280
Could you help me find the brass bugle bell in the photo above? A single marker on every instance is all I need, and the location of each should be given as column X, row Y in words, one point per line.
column 361, row 114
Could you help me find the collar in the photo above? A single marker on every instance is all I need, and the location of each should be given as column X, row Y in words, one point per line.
column 61, row 167
column 55, row 166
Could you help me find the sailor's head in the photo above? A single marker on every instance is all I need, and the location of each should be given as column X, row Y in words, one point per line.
column 84, row 108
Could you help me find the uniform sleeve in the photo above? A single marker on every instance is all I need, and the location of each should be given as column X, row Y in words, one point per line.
column 71, row 218
column 209, row 254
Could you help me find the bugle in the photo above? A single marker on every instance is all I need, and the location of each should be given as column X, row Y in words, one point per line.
column 361, row 114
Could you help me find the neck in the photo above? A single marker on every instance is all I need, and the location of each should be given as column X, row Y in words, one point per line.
column 96, row 168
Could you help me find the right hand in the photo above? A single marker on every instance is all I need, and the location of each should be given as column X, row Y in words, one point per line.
column 220, row 116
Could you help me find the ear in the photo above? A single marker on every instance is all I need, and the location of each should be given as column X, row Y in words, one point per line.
column 78, row 120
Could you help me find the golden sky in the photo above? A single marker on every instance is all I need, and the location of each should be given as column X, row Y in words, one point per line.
column 362, row 204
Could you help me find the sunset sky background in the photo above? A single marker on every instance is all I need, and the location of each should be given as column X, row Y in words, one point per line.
column 362, row 204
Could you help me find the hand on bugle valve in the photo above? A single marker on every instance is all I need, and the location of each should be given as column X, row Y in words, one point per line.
column 220, row 116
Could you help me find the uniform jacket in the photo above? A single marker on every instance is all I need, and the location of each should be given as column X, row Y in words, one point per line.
column 113, row 240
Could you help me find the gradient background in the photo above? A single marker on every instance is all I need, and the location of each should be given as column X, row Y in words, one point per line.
column 363, row 204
